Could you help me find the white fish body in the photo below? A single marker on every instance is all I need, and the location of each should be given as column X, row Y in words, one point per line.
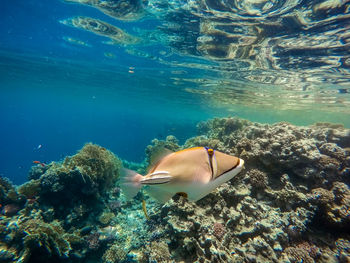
column 193, row 173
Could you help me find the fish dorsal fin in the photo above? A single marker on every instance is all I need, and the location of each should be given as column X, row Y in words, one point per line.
column 156, row 156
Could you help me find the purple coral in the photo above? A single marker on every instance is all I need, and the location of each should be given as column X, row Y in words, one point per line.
column 219, row 230
column 114, row 205
column 93, row 241
column 115, row 191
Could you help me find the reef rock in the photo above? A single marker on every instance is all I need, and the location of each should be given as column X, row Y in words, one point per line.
column 268, row 212
column 290, row 204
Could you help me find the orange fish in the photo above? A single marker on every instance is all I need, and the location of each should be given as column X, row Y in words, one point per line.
column 38, row 162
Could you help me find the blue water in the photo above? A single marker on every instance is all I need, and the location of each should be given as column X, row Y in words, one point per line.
column 60, row 94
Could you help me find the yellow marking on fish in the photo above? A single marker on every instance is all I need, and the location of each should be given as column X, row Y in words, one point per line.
column 145, row 209
column 189, row 149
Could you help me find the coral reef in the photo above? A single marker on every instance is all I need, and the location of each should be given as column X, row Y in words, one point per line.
column 10, row 200
column 54, row 215
column 290, row 204
column 73, row 186
column 270, row 211
column 170, row 143
column 8, row 193
column 334, row 204
column 115, row 253
column 29, row 238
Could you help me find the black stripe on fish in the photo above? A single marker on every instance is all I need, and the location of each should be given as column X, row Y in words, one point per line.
column 148, row 183
column 229, row 170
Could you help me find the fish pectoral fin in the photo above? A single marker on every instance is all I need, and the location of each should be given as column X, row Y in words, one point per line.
column 159, row 194
column 198, row 191
column 160, row 177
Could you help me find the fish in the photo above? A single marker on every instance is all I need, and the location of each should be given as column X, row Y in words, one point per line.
column 192, row 173
column 38, row 162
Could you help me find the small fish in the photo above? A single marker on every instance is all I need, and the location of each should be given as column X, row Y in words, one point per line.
column 38, row 162
column 192, row 173
column 39, row 146
column 131, row 71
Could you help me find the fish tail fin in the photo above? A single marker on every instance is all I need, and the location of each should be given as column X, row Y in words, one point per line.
column 130, row 182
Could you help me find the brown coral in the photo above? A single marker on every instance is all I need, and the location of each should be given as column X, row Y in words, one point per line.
column 257, row 178
column 334, row 203
column 296, row 255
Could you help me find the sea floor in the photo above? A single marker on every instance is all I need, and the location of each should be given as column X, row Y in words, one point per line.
column 290, row 204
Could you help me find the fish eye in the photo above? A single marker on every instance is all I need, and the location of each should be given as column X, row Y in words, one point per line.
column 210, row 152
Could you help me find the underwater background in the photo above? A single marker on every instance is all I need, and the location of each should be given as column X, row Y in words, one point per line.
column 62, row 86
column 268, row 81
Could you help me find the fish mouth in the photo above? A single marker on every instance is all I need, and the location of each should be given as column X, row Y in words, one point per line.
column 241, row 164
